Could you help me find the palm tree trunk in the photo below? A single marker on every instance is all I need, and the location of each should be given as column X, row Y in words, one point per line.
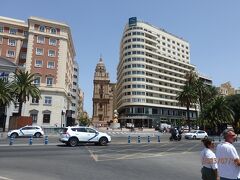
column 20, row 108
column 188, row 117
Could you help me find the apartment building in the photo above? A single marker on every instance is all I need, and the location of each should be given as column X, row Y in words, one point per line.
column 150, row 74
column 103, row 92
column 44, row 47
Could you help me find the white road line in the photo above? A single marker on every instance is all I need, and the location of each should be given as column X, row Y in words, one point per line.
column 95, row 157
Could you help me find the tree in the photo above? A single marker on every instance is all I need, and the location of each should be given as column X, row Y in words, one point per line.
column 186, row 98
column 217, row 112
column 84, row 119
column 5, row 93
column 233, row 102
column 23, row 87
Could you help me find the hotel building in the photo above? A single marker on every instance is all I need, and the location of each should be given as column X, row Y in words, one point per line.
column 44, row 47
column 150, row 74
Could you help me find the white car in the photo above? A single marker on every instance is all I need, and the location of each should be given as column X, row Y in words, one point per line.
column 26, row 131
column 73, row 135
column 196, row 134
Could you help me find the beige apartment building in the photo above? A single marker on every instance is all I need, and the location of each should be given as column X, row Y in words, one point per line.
column 103, row 102
column 150, row 74
column 44, row 47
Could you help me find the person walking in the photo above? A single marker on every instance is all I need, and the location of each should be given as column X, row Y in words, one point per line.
column 209, row 162
column 227, row 157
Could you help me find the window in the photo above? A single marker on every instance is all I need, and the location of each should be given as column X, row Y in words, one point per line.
column 38, row 63
column 12, row 31
column 23, row 55
column 50, row 65
column 25, row 33
column 46, row 118
column 34, row 118
column 42, row 28
column 24, row 44
column 51, row 53
column 40, row 39
column 37, row 81
column 52, row 42
column 48, row 100
column 49, row 81
column 10, row 53
column 1, row 39
column 39, row 51
column 11, row 42
column 35, row 100
column 1, row 28
column 53, row 31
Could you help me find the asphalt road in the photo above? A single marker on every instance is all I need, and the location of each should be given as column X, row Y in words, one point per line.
column 117, row 161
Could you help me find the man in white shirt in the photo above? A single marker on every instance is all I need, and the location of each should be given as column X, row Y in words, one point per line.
column 227, row 157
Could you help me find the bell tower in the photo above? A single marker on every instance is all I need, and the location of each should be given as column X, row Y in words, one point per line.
column 102, row 96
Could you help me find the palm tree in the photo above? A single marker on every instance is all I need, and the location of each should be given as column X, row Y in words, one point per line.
column 5, row 93
column 23, row 88
column 217, row 112
column 233, row 102
column 187, row 97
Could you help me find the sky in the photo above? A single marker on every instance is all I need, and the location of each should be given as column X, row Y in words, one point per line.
column 211, row 27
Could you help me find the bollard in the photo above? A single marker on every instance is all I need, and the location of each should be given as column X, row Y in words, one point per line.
column 148, row 139
column 158, row 138
column 46, row 140
column 139, row 139
column 219, row 139
column 129, row 139
column 213, row 139
column 30, row 140
column 11, row 141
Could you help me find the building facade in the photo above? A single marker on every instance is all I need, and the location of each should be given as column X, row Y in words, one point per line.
column 103, row 102
column 226, row 89
column 43, row 47
column 150, row 74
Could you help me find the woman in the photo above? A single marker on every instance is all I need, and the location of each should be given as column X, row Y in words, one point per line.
column 209, row 162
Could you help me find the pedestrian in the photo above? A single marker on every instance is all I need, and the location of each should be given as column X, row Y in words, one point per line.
column 209, row 161
column 227, row 157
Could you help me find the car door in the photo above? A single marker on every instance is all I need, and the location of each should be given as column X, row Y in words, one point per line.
column 82, row 134
column 200, row 134
column 26, row 131
column 92, row 135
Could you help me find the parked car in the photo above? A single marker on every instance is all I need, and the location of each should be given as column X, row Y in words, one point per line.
column 26, row 131
column 73, row 135
column 196, row 134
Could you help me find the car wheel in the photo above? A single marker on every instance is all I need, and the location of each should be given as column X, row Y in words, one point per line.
column 73, row 142
column 14, row 135
column 37, row 135
column 194, row 137
column 103, row 141
column 205, row 137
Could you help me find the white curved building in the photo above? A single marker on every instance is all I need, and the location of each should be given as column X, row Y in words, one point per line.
column 150, row 73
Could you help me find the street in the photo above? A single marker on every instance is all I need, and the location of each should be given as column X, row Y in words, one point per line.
column 119, row 160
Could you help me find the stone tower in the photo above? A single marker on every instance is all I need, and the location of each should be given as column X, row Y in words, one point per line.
column 102, row 96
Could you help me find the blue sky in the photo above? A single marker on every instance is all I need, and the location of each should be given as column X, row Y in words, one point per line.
column 211, row 27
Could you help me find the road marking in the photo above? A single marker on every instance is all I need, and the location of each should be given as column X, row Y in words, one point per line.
column 95, row 157
column 4, row 178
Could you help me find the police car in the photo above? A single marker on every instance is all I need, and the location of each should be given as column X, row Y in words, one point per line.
column 26, row 131
column 73, row 135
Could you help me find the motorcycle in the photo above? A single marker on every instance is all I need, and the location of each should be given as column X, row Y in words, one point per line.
column 177, row 137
